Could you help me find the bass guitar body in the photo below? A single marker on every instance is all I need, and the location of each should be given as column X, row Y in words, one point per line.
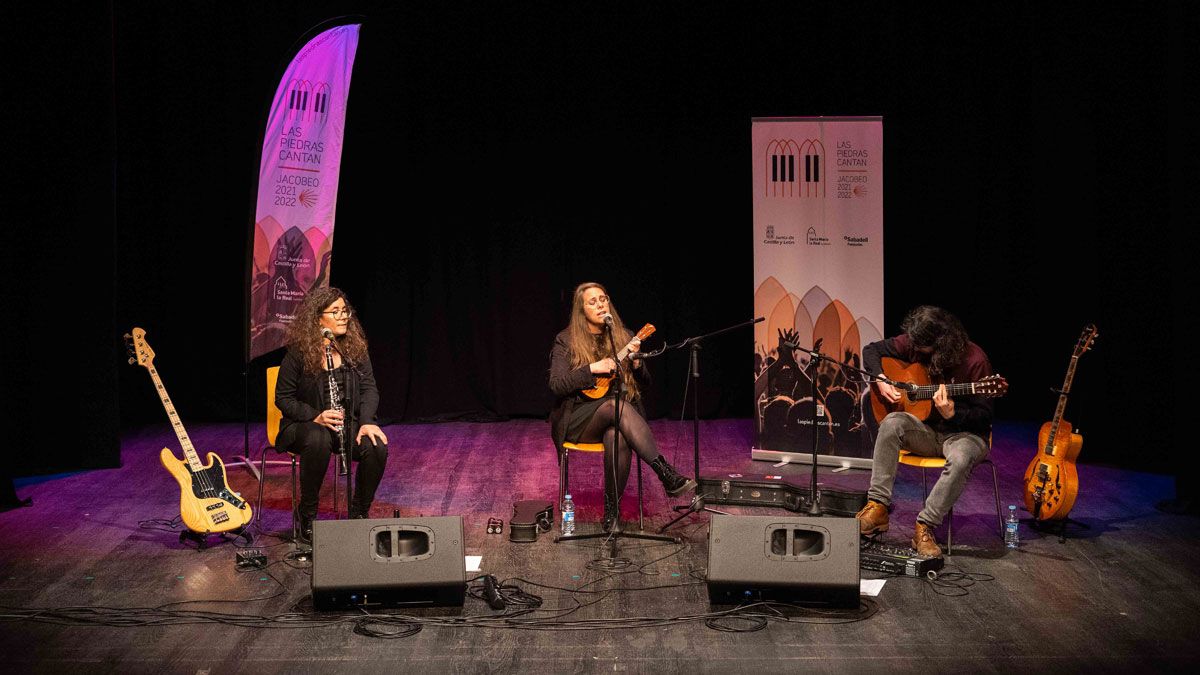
column 1054, row 474
column 206, row 504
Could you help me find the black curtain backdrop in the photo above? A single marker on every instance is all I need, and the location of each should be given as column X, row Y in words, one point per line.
column 497, row 155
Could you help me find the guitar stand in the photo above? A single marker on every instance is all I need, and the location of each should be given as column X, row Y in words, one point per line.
column 201, row 540
column 1039, row 526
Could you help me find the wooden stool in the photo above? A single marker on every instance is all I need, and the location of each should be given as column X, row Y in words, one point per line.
column 274, row 417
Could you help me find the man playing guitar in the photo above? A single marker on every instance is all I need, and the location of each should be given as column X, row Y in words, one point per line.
column 957, row 429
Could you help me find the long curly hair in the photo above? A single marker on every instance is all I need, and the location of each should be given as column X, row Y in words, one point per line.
column 304, row 333
column 585, row 347
column 930, row 326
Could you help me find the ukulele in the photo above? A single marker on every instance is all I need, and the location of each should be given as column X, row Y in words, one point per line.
column 1051, row 481
column 206, row 504
column 916, row 391
column 603, row 383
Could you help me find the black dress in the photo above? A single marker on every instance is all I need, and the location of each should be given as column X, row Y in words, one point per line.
column 572, row 409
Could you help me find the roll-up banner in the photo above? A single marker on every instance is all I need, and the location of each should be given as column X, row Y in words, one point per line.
column 298, row 184
column 818, row 280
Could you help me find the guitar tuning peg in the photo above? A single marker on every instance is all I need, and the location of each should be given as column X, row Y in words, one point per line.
column 132, row 360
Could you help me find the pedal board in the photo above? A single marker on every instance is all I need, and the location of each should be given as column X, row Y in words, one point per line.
column 898, row 560
column 786, row 492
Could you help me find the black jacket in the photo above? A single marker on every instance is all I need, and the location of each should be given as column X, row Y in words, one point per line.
column 971, row 413
column 566, row 382
column 302, row 396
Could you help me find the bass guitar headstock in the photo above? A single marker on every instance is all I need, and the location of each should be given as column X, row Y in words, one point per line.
column 140, row 353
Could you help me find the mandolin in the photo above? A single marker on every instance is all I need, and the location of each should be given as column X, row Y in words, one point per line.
column 206, row 504
column 916, row 390
column 603, row 383
column 1051, row 481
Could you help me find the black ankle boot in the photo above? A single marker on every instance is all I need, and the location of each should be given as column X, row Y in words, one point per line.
column 673, row 483
column 304, row 529
column 612, row 512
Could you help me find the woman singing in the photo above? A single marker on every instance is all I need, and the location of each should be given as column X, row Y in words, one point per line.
column 580, row 354
column 311, row 422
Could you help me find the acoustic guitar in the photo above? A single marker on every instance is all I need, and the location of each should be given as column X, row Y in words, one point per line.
column 1051, row 481
column 206, row 504
column 916, row 390
column 603, row 383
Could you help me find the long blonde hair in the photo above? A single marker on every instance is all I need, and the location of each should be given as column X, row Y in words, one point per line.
column 585, row 348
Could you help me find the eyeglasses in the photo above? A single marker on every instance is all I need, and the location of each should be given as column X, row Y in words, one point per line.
column 598, row 299
column 339, row 313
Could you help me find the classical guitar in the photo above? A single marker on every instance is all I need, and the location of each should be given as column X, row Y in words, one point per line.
column 206, row 504
column 1051, row 481
column 916, row 390
column 603, row 383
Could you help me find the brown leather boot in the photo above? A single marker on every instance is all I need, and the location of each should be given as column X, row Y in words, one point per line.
column 924, row 543
column 872, row 519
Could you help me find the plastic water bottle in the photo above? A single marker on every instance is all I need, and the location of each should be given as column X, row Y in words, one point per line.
column 1012, row 537
column 568, row 515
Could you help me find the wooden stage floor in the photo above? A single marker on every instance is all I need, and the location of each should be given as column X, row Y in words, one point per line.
column 1119, row 596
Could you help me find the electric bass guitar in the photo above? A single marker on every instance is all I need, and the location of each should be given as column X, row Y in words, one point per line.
column 603, row 383
column 1051, row 481
column 916, row 391
column 206, row 504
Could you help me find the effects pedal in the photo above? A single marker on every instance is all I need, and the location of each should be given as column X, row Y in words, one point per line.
column 495, row 526
column 250, row 559
column 899, row 560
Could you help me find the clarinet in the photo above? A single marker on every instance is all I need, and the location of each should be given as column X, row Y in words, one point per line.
column 335, row 402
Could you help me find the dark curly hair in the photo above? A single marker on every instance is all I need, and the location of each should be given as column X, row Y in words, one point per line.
column 304, row 333
column 929, row 326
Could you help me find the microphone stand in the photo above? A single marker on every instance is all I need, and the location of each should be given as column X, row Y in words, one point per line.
column 344, row 454
column 814, row 505
column 693, row 344
column 617, row 391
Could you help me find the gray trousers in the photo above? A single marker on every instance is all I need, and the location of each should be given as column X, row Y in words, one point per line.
column 962, row 451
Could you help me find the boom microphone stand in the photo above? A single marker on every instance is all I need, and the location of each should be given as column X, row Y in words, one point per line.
column 693, row 344
column 814, row 505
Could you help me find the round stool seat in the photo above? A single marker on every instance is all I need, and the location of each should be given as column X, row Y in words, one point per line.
column 584, row 447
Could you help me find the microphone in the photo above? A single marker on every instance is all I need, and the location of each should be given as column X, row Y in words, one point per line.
column 326, row 333
column 491, row 593
column 608, row 318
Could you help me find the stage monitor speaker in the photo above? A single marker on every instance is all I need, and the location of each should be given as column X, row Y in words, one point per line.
column 783, row 558
column 388, row 562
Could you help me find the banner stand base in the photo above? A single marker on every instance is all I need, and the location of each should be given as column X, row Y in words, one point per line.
column 783, row 458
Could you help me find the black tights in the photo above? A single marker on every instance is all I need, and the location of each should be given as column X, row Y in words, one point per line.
column 635, row 433
column 315, row 445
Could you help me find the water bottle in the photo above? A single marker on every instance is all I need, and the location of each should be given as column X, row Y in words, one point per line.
column 568, row 515
column 1012, row 536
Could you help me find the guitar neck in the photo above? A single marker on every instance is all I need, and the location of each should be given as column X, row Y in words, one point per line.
column 926, row 391
column 1062, row 404
column 189, row 450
